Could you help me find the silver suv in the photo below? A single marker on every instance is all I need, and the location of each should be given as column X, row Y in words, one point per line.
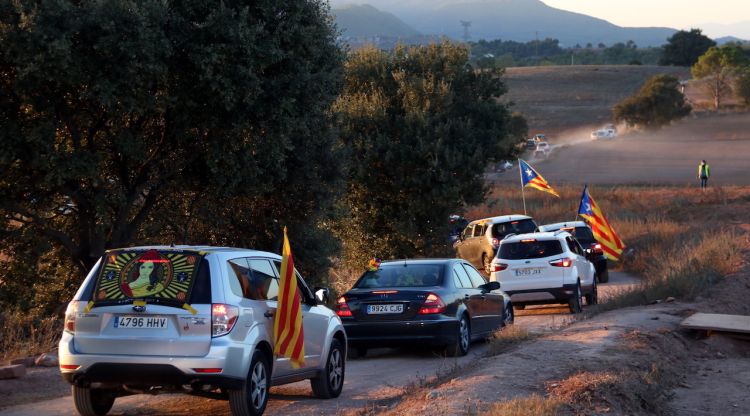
column 198, row 320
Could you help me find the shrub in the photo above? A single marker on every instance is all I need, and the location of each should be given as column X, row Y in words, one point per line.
column 657, row 103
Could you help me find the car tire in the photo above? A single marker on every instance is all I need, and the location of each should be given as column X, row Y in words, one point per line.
column 508, row 316
column 486, row 264
column 460, row 346
column 252, row 399
column 593, row 297
column 574, row 303
column 604, row 276
column 330, row 382
column 92, row 402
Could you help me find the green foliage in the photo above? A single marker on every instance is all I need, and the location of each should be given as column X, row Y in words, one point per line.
column 685, row 47
column 195, row 122
column 742, row 85
column 420, row 126
column 718, row 65
column 657, row 103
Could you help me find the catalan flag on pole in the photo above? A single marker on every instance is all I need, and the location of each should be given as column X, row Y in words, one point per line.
column 603, row 232
column 289, row 337
column 532, row 178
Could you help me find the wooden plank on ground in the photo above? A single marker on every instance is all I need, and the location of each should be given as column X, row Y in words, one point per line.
column 718, row 322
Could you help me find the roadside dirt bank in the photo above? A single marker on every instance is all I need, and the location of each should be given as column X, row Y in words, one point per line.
column 628, row 361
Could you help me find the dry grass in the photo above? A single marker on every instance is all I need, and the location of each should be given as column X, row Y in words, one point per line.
column 24, row 336
column 505, row 339
column 534, row 405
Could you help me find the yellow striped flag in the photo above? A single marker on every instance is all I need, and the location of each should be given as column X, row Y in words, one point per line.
column 289, row 337
column 603, row 232
column 530, row 177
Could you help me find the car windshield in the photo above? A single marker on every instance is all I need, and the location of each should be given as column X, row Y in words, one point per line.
column 529, row 249
column 402, row 275
column 502, row 229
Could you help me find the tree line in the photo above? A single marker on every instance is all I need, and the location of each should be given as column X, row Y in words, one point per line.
column 174, row 122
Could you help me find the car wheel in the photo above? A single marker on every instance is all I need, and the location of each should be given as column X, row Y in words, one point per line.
column 251, row 400
column 575, row 302
column 593, row 297
column 330, row 382
column 604, row 276
column 92, row 402
column 486, row 263
column 508, row 315
column 461, row 345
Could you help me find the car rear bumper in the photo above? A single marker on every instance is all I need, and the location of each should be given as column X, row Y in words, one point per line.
column 542, row 296
column 391, row 334
column 146, row 375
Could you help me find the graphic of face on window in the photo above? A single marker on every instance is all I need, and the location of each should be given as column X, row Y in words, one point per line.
column 147, row 276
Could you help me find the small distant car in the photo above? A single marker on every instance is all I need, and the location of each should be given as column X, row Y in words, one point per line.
column 530, row 144
column 607, row 133
column 542, row 150
column 428, row 302
column 545, row 268
column 582, row 232
column 504, row 165
column 480, row 239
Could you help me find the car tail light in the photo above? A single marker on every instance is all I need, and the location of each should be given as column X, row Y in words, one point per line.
column 597, row 248
column 561, row 262
column 70, row 317
column 342, row 308
column 432, row 304
column 498, row 267
column 495, row 243
column 223, row 318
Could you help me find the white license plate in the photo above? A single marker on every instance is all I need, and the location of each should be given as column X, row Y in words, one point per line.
column 383, row 309
column 146, row 322
column 529, row 271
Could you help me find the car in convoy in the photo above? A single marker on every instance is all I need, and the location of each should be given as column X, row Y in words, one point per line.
column 479, row 241
column 582, row 232
column 428, row 302
column 545, row 268
column 191, row 319
column 605, row 133
column 542, row 150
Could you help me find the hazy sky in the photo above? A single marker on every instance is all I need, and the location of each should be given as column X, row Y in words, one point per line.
column 679, row 14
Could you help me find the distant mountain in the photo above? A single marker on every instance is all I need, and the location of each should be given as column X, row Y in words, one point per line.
column 367, row 21
column 718, row 30
column 519, row 20
column 728, row 39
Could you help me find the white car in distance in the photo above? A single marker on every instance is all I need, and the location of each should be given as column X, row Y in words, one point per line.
column 603, row 134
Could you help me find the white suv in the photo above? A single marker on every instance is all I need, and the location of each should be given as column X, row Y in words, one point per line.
column 197, row 320
column 543, row 268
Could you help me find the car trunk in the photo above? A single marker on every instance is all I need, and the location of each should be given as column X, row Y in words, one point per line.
column 532, row 274
column 385, row 304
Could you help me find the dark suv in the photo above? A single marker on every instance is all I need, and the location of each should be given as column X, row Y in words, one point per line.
column 585, row 237
column 479, row 241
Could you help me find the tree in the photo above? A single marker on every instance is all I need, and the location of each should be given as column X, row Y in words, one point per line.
column 685, row 47
column 657, row 103
column 742, row 85
column 160, row 122
column 718, row 65
column 420, row 126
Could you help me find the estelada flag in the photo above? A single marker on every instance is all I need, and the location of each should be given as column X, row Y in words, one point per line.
column 530, row 177
column 289, row 337
column 603, row 232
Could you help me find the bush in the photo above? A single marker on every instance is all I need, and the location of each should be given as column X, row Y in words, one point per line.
column 657, row 103
column 742, row 85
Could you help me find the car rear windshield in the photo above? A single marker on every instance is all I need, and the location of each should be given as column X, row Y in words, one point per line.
column 160, row 276
column 583, row 234
column 502, row 229
column 531, row 249
column 402, row 275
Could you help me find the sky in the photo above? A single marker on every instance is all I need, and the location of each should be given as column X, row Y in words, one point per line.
column 678, row 14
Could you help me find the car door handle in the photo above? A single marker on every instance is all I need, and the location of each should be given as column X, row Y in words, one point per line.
column 268, row 313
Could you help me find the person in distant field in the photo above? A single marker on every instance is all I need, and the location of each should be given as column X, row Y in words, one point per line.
column 703, row 173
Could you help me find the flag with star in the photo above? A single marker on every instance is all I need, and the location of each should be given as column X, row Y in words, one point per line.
column 603, row 232
column 530, row 177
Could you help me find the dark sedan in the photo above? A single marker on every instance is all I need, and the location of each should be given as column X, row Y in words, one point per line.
column 437, row 303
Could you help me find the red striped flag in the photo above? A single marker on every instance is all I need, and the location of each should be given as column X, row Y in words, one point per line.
column 530, row 177
column 603, row 232
column 289, row 337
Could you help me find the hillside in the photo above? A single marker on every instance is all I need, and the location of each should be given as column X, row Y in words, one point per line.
column 556, row 98
column 367, row 21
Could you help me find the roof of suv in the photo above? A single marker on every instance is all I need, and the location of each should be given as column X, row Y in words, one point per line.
column 501, row 218
column 536, row 236
column 558, row 225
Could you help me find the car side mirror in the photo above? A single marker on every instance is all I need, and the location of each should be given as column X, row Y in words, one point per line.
column 322, row 294
column 490, row 286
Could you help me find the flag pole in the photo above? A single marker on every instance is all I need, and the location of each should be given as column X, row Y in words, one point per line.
column 523, row 195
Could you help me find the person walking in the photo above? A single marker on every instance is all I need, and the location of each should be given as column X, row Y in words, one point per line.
column 703, row 173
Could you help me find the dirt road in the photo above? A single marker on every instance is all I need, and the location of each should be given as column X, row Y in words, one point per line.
column 369, row 382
